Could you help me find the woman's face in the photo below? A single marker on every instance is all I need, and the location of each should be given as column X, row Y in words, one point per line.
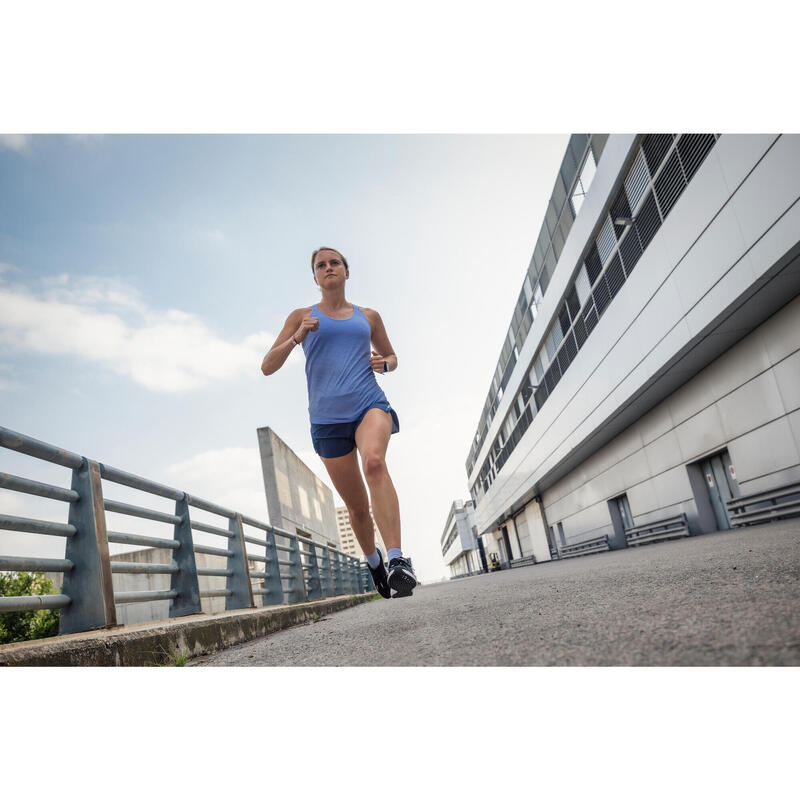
column 329, row 269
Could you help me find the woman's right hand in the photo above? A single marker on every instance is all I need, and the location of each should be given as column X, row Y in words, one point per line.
column 308, row 324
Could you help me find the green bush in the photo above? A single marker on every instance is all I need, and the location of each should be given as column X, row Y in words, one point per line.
column 21, row 626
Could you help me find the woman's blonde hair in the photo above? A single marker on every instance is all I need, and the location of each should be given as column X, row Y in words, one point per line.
column 333, row 250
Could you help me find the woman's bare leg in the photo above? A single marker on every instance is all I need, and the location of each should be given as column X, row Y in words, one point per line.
column 347, row 480
column 372, row 440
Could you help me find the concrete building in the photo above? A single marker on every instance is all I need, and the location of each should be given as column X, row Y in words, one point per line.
column 297, row 500
column 347, row 538
column 460, row 548
column 652, row 363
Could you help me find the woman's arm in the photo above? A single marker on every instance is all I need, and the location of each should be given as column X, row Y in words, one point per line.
column 298, row 324
column 380, row 341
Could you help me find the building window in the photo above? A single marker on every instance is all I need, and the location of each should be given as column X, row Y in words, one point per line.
column 583, row 183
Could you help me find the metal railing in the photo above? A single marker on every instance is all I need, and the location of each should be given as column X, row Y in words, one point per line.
column 296, row 569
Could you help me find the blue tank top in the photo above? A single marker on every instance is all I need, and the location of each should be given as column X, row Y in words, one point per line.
column 341, row 382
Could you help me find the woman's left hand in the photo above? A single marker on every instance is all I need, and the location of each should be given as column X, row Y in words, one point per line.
column 376, row 362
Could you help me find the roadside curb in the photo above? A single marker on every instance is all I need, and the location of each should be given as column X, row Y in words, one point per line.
column 154, row 644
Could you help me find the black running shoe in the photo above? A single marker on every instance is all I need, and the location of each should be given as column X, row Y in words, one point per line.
column 401, row 577
column 380, row 578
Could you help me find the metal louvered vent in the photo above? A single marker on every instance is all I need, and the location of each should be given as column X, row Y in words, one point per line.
column 555, row 371
column 638, row 181
column 573, row 303
column 557, row 336
column 620, row 209
column 631, row 250
column 590, row 317
column 606, row 240
column 580, row 331
column 563, row 319
column 648, row 221
column 549, row 379
column 563, row 359
column 669, row 184
column 593, row 264
column 582, row 285
column 693, row 148
column 570, row 347
column 615, row 276
column 655, row 146
column 601, row 296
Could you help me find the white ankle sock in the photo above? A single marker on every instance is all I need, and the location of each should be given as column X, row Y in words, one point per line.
column 374, row 558
column 394, row 552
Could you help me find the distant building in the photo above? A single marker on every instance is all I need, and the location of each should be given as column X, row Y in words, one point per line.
column 460, row 548
column 347, row 538
column 297, row 500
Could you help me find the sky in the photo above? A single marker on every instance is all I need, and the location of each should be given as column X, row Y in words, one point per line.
column 143, row 278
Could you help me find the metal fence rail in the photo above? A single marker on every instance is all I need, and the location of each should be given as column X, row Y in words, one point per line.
column 295, row 570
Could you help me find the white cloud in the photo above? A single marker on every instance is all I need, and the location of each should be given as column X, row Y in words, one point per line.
column 232, row 477
column 108, row 323
column 7, row 385
column 229, row 477
column 4, row 267
column 21, row 142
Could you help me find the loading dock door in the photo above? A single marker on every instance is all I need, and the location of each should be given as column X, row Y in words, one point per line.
column 507, row 544
column 721, row 485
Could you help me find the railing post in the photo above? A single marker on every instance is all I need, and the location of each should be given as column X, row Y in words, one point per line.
column 325, row 574
column 239, row 581
column 88, row 584
column 314, row 589
column 273, row 571
column 351, row 575
column 363, row 577
column 184, row 581
column 297, row 585
column 337, row 571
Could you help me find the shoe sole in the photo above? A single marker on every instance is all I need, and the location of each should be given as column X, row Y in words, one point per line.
column 402, row 583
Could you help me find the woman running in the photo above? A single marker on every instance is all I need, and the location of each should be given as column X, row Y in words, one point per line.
column 349, row 411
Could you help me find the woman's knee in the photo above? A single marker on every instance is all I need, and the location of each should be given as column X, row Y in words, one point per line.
column 374, row 466
column 358, row 511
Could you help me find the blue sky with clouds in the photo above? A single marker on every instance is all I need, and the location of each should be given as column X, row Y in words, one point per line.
column 142, row 278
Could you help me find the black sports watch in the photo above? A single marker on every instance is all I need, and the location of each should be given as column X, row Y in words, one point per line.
column 385, row 366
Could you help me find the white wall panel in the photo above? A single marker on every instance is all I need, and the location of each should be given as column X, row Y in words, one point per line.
column 655, row 423
column 740, row 364
column 664, row 453
column 737, row 155
column 787, row 375
column 536, row 532
column 770, row 188
column 672, row 487
column 642, row 499
column 764, row 450
column 709, row 258
column 780, row 334
column 701, row 433
column 750, row 406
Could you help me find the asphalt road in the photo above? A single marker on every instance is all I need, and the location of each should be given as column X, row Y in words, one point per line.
column 728, row 598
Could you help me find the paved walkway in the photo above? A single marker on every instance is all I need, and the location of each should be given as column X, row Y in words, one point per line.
column 729, row 598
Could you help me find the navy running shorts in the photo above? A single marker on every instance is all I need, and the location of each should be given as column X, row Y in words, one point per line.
column 338, row 439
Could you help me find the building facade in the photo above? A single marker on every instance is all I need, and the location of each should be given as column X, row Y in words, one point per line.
column 297, row 500
column 652, row 364
column 347, row 538
column 460, row 548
